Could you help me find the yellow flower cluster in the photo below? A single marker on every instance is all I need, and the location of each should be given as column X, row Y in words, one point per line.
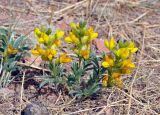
column 10, row 51
column 48, row 43
column 119, row 62
column 81, row 37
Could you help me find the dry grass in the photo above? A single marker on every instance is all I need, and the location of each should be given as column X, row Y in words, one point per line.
column 137, row 20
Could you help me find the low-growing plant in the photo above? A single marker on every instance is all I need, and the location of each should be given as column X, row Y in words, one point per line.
column 89, row 73
column 12, row 50
column 118, row 62
column 79, row 83
column 48, row 44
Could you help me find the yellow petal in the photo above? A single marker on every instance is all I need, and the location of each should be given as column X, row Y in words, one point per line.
column 64, row 58
column 74, row 38
column 116, row 75
column 73, row 25
column 50, row 57
column 112, row 43
column 126, row 71
column 37, row 32
column 45, row 37
column 59, row 34
column 105, row 81
column 85, row 54
column 85, row 39
column 109, row 61
column 128, row 63
column 35, row 52
column 68, row 40
column 132, row 47
column 94, row 35
column 41, row 40
column 119, row 82
column 40, row 50
column 106, row 43
column 105, row 64
column 12, row 50
column 127, row 66
column 57, row 43
column 50, row 54
column 123, row 53
column 133, row 50
column 53, row 52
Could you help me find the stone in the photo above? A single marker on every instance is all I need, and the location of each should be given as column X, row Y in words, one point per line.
column 34, row 109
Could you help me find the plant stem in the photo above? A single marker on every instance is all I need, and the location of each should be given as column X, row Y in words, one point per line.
column 80, row 60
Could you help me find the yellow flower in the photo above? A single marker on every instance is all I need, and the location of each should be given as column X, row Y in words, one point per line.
column 37, row 32
column 128, row 63
column 110, row 43
column 10, row 51
column 57, row 43
column 116, row 75
column 85, row 54
column 92, row 35
column 122, row 53
column 49, row 54
column 38, row 50
column 35, row 52
column 104, row 81
column 72, row 38
column 59, row 34
column 46, row 54
column 44, row 38
column 85, row 39
column 127, row 66
column 118, row 82
column 74, row 26
column 132, row 47
column 64, row 58
column 108, row 61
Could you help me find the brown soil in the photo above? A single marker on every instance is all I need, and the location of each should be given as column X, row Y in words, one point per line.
column 125, row 19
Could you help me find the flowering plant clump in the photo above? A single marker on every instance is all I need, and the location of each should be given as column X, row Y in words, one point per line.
column 119, row 62
column 81, row 37
column 12, row 50
column 48, row 43
column 87, row 76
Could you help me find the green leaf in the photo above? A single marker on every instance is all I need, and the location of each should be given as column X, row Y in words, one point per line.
column 4, row 31
column 12, row 39
column 17, row 57
column 25, row 48
column 71, row 80
column 18, row 41
column 49, row 31
column 44, row 83
column 3, row 39
column 10, row 65
column 82, row 24
column 1, row 50
column 123, row 44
